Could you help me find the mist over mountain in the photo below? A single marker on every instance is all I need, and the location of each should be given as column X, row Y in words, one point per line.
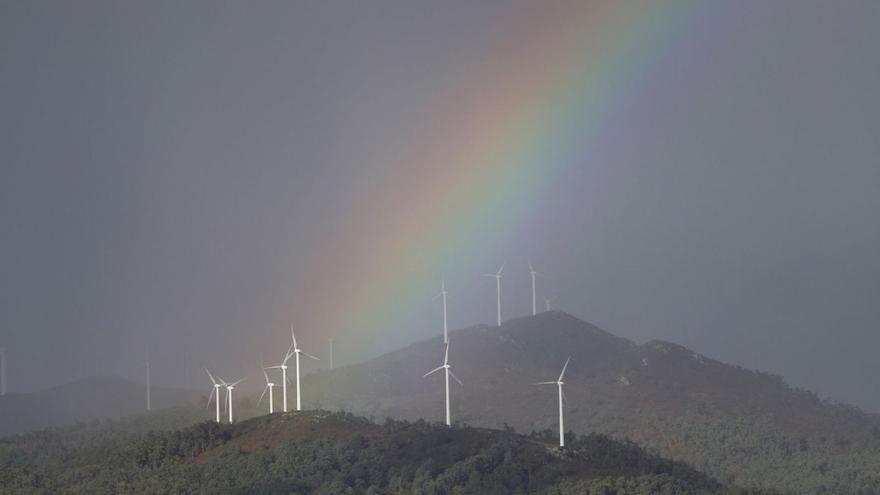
column 505, row 362
column 84, row 400
column 741, row 426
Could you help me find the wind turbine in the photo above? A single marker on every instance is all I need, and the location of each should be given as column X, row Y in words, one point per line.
column 547, row 301
column 214, row 391
column 297, row 351
column 497, row 276
column 442, row 295
column 331, row 353
column 229, row 388
column 448, row 372
column 283, row 368
column 147, row 354
column 534, row 301
column 2, row 371
column 270, row 387
column 559, row 383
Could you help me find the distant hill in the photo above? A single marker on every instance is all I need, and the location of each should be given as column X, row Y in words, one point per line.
column 737, row 425
column 88, row 399
column 318, row 452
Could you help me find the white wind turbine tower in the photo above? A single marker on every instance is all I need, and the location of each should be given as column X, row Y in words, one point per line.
column 229, row 388
column 214, row 392
column 559, row 383
column 448, row 373
column 2, row 371
column 148, row 379
column 442, row 295
column 497, row 276
column 533, row 273
column 297, row 351
column 270, row 387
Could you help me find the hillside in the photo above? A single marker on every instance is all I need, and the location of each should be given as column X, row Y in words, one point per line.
column 319, row 452
column 88, row 399
column 737, row 425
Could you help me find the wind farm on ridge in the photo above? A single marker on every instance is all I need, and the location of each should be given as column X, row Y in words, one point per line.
column 294, row 351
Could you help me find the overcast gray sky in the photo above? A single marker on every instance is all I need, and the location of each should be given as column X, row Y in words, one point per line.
column 165, row 165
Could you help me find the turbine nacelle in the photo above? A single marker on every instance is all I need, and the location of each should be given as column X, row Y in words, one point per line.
column 304, row 353
column 231, row 386
column 496, row 274
column 295, row 349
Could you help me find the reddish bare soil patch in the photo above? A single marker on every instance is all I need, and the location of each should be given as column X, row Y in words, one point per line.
column 277, row 429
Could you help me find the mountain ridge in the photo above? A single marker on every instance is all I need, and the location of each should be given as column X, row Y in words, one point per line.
column 736, row 424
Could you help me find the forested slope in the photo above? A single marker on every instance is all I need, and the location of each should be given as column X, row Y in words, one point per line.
column 332, row 453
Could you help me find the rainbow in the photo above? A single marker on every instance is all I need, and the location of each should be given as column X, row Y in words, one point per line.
column 527, row 115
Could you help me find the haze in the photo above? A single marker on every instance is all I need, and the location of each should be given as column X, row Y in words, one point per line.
column 170, row 173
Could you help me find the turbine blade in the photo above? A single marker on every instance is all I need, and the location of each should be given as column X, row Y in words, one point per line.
column 546, row 383
column 210, row 375
column 213, row 390
column 502, row 268
column 261, row 395
column 293, row 336
column 266, row 375
column 309, row 355
column 446, row 357
column 288, row 354
column 563, row 368
column 433, row 371
column 236, row 383
column 564, row 398
column 489, row 275
column 456, row 378
column 273, row 367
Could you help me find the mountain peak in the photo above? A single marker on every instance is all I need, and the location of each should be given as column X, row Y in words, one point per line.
column 660, row 393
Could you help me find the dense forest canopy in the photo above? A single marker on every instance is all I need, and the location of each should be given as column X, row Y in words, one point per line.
column 331, row 453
